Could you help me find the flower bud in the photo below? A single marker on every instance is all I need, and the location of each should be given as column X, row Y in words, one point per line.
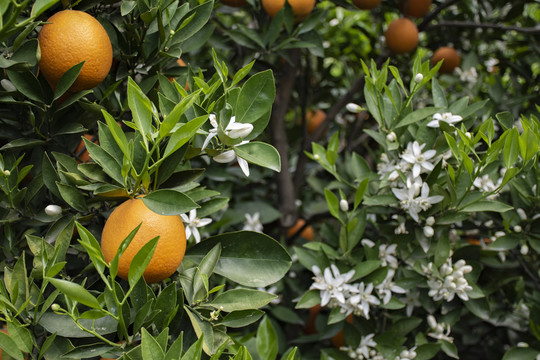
column 7, row 172
column 432, row 322
column 55, row 307
column 239, row 130
column 8, row 85
column 225, row 157
column 522, row 214
column 524, row 250
column 391, row 137
column 418, row 78
column 428, row 231
column 343, row 205
column 354, row 108
column 517, row 228
column 53, row 210
column 430, row 221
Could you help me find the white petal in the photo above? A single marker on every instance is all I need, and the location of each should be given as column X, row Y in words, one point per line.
column 225, row 157
column 239, row 130
column 204, row 222
column 207, row 140
column 243, row 165
column 433, row 124
column 196, row 235
column 188, row 232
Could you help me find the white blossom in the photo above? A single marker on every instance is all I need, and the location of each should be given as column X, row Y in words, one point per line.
column 412, row 300
column 446, row 117
column 387, row 255
column 485, row 184
column 230, row 155
column 365, row 350
column 193, row 223
column 233, row 130
column 361, row 299
column 253, row 222
column 416, row 198
column 344, row 205
column 420, row 161
column 491, row 64
column 439, row 331
column 332, row 284
column 387, row 287
column 407, row 354
column 391, row 137
column 470, row 75
column 418, row 78
column 450, row 282
column 354, row 108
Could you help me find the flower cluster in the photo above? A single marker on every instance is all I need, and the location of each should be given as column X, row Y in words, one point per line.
column 439, row 331
column 365, row 350
column 450, row 281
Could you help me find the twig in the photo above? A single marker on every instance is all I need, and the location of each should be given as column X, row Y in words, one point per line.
column 432, row 15
column 499, row 27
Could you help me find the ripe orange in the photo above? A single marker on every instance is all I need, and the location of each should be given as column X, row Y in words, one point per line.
column 415, row 8
column 80, row 152
column 171, row 244
column 301, row 8
column 401, row 36
column 310, row 327
column 70, row 37
column 449, row 55
column 338, row 340
column 366, row 4
column 307, row 233
column 314, row 119
column 234, row 3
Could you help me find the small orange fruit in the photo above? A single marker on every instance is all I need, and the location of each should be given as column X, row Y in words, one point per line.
column 80, row 152
column 68, row 38
column 401, row 36
column 415, row 8
column 170, row 248
column 338, row 340
column 310, row 327
column 366, row 4
column 234, row 3
column 314, row 119
column 450, row 57
column 300, row 8
column 307, row 233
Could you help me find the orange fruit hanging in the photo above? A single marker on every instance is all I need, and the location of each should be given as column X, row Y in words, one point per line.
column 366, row 4
column 449, row 55
column 170, row 248
column 80, row 152
column 68, row 38
column 307, row 233
column 401, row 36
column 415, row 8
column 314, row 119
column 300, row 8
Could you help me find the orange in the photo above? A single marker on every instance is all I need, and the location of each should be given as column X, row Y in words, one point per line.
column 415, row 8
column 80, row 152
column 401, row 36
column 449, row 55
column 70, row 37
column 314, row 119
column 338, row 340
column 310, row 327
column 234, row 3
column 366, row 4
column 300, row 8
column 170, row 248
column 307, row 233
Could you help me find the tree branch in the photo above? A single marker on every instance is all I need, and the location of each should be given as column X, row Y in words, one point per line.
column 499, row 27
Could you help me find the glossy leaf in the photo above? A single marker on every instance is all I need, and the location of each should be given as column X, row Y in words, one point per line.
column 267, row 342
column 261, row 154
column 169, row 202
column 248, row 258
column 256, row 97
column 241, row 299
column 75, row 292
column 141, row 260
column 141, row 109
column 67, row 79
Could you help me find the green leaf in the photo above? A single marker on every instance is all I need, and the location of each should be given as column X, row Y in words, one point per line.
column 204, row 271
column 417, row 116
column 67, row 79
column 183, row 134
column 439, row 99
column 76, row 292
column 194, row 20
column 487, row 205
column 22, row 337
column 174, row 116
column 27, row 84
column 64, row 326
column 195, row 350
column 10, row 347
column 256, row 97
column 241, row 299
column 72, row 196
column 241, row 318
column 248, row 258
column 150, row 347
column 333, row 204
column 41, row 6
column 22, row 143
column 117, row 133
column 365, row 268
column 141, row 109
column 107, row 162
column 169, row 202
column 242, row 73
column 267, row 342
column 521, row 353
column 261, row 154
column 360, row 191
column 511, row 147
column 141, row 260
